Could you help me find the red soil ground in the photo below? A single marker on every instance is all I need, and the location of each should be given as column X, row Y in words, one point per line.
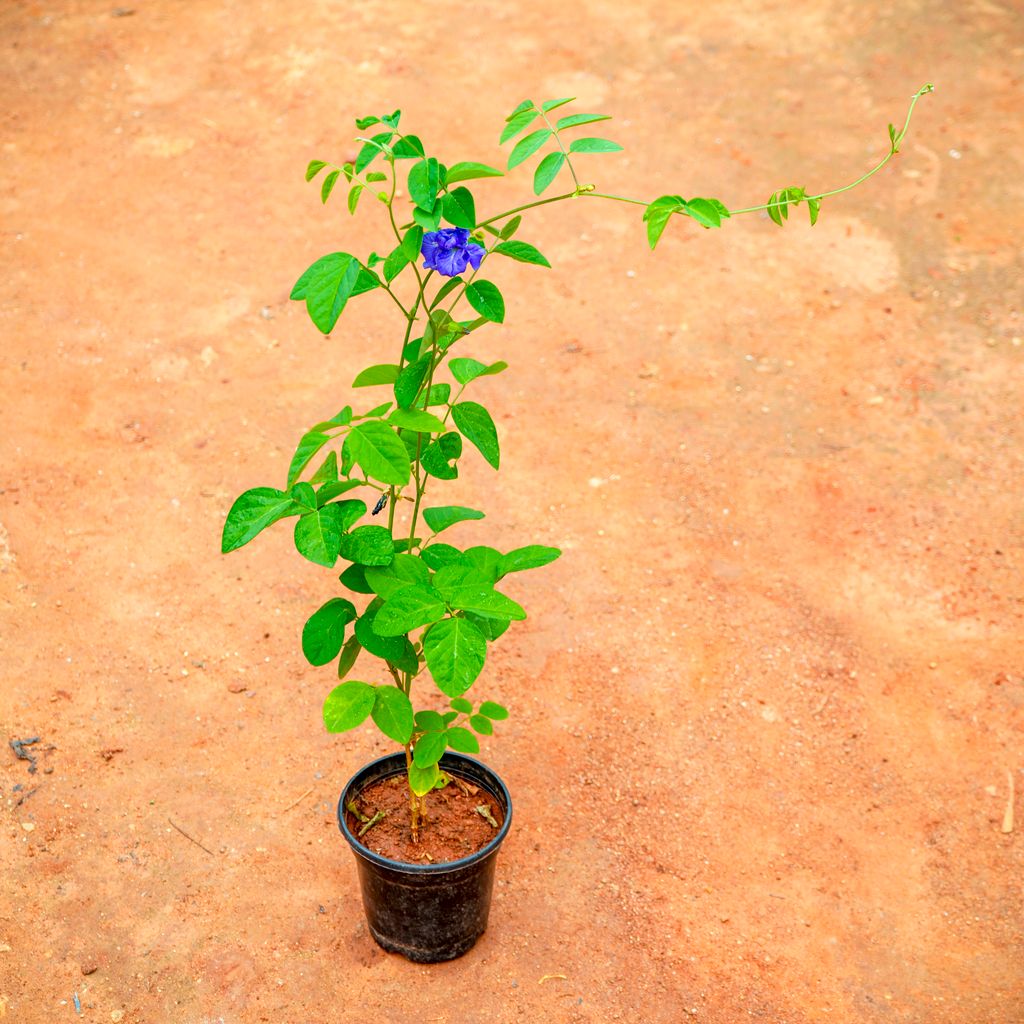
column 766, row 708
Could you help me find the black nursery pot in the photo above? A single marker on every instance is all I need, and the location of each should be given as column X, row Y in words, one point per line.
column 427, row 912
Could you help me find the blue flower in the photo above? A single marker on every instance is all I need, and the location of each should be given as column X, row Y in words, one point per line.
column 449, row 251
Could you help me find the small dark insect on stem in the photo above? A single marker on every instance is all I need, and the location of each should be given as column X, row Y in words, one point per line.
column 382, row 503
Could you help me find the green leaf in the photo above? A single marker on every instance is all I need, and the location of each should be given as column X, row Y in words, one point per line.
column 324, row 631
column 395, row 649
column 441, row 517
column 446, row 290
column 439, row 395
column 367, row 545
column 429, row 220
column 547, row 171
column 468, row 589
column 365, row 282
column 371, row 150
column 523, row 252
column 316, row 166
column 482, row 724
column 362, row 123
column 341, row 419
column 464, row 369
column 491, row 628
column 333, row 488
column 418, row 420
column 476, row 425
column 424, row 179
column 327, row 473
column 379, row 451
column 412, row 243
column 550, row 105
column 525, row 105
column 455, row 650
column 497, row 712
column 382, row 373
column 485, row 298
column 423, row 780
column 438, row 458
column 376, row 412
column 392, row 714
column 657, row 215
column 354, row 578
column 349, row 654
column 409, row 147
column 484, row 559
column 527, row 146
column 518, row 122
column 329, row 289
column 462, row 705
column 328, row 185
column 350, row 511
column 318, row 535
column 467, row 171
column 429, row 721
column 706, row 212
column 439, row 555
column 575, row 120
column 348, row 705
column 813, row 206
column 403, row 570
column 304, row 495
column 408, row 608
column 458, row 208
column 463, row 740
column 429, row 748
column 253, row 512
column 511, row 227
column 396, row 262
column 530, row 557
column 594, row 146
column 309, row 445
column 410, row 380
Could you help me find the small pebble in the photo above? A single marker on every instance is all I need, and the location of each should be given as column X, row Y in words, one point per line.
column 89, row 967
column 116, row 1015
column 28, row 826
column 237, row 687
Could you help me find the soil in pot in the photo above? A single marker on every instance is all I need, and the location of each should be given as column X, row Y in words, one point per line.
column 461, row 819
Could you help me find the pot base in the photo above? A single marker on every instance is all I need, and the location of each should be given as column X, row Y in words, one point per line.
column 418, row 955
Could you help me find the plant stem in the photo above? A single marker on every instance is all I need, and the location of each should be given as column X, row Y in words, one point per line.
column 558, row 139
column 414, row 805
column 527, row 206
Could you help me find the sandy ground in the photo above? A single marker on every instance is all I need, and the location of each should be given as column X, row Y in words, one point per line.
column 768, row 705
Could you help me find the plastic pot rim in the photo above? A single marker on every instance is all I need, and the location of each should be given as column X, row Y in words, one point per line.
column 443, row 866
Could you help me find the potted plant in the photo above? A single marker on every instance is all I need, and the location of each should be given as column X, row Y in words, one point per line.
column 426, row 822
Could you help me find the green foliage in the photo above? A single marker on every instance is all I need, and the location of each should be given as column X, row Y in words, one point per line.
column 441, row 518
column 477, row 427
column 547, row 171
column 421, row 609
column 485, row 298
column 523, row 252
column 348, row 705
column 455, row 650
column 324, row 632
column 252, row 513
